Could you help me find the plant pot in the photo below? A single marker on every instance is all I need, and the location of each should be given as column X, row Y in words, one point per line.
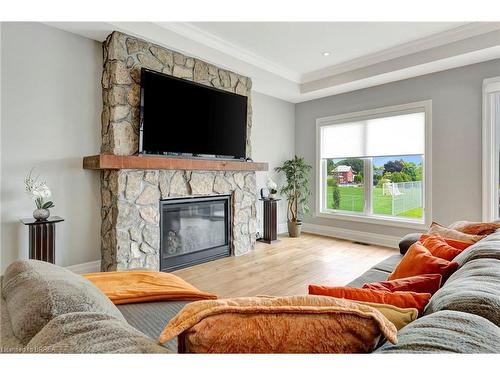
column 294, row 228
column 41, row 214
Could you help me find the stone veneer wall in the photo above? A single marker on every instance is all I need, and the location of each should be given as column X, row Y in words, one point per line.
column 130, row 233
column 124, row 56
column 130, row 205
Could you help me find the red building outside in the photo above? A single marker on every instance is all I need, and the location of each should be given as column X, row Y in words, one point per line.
column 343, row 174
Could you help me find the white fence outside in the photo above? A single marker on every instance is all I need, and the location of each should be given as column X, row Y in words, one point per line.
column 405, row 195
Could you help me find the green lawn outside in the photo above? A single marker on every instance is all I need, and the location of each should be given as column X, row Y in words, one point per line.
column 351, row 199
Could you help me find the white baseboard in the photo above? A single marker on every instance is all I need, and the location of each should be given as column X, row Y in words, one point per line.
column 88, row 267
column 352, row 235
column 282, row 228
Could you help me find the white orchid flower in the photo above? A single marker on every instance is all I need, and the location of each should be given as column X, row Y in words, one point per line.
column 37, row 194
column 271, row 184
column 45, row 192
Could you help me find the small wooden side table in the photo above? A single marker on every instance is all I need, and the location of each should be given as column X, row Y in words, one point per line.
column 270, row 220
column 42, row 238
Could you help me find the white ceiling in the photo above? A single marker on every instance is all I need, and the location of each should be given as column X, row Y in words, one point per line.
column 285, row 59
column 299, row 46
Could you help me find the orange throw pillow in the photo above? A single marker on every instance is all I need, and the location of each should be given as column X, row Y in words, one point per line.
column 419, row 261
column 144, row 286
column 461, row 245
column 294, row 324
column 418, row 284
column 398, row 299
column 440, row 248
column 477, row 228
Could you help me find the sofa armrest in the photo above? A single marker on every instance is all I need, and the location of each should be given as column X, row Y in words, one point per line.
column 407, row 241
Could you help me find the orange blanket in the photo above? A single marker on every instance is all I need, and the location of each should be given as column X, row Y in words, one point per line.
column 145, row 286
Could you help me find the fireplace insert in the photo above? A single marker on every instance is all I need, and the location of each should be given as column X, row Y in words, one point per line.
column 194, row 230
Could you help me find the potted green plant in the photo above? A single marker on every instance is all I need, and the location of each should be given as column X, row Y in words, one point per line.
column 296, row 190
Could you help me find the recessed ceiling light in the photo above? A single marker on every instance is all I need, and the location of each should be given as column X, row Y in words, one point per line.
column 326, row 53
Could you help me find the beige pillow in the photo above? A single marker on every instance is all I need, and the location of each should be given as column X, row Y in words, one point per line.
column 453, row 233
column 296, row 324
column 396, row 315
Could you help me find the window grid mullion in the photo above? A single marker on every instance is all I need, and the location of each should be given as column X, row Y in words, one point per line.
column 368, row 186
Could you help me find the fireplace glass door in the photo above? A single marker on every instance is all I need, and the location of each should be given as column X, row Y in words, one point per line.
column 194, row 230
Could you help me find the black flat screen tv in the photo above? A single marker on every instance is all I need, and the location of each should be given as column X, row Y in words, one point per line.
column 183, row 118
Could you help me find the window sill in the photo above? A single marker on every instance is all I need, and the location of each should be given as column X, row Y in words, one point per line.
column 378, row 220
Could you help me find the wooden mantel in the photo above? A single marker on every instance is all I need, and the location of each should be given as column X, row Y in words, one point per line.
column 163, row 162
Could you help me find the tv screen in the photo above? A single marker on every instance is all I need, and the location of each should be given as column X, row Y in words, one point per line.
column 180, row 117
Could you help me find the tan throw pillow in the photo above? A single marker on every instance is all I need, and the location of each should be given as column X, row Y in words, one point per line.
column 453, row 233
column 396, row 315
column 296, row 324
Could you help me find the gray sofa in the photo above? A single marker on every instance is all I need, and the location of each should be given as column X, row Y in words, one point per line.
column 464, row 315
column 45, row 308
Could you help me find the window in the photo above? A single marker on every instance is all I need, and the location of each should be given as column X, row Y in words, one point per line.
column 491, row 149
column 374, row 165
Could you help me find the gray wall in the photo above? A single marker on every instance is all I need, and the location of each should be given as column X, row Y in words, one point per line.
column 51, row 103
column 273, row 141
column 456, row 137
column 50, row 118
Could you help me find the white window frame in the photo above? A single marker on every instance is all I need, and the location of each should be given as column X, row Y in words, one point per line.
column 420, row 224
column 491, row 86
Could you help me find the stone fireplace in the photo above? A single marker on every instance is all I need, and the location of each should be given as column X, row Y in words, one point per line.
column 131, row 211
column 130, row 230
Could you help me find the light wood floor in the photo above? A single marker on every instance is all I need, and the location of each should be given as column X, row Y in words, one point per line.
column 286, row 267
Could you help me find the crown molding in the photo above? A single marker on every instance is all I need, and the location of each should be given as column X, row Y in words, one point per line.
column 201, row 36
column 263, row 81
column 382, row 78
column 460, row 47
column 468, row 44
column 436, row 40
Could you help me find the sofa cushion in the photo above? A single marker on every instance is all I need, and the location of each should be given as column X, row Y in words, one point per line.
column 472, row 289
column 158, row 315
column 36, row 292
column 9, row 343
column 370, row 276
column 90, row 332
column 389, row 264
column 447, row 332
column 488, row 247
